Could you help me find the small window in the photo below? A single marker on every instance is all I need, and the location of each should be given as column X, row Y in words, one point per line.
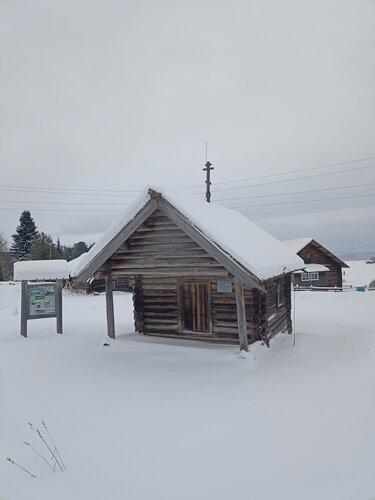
column 305, row 277
column 114, row 284
column 314, row 276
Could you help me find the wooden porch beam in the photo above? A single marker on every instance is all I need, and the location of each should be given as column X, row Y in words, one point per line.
column 110, row 308
column 241, row 315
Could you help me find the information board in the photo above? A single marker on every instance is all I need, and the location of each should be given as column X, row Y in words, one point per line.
column 224, row 286
column 41, row 301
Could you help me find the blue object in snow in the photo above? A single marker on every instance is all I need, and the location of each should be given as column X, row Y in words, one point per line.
column 360, row 288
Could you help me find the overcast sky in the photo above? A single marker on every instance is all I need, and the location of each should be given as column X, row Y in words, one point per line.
column 114, row 95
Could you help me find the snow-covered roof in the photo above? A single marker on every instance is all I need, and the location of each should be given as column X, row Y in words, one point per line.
column 297, row 244
column 313, row 268
column 74, row 264
column 234, row 234
column 41, row 270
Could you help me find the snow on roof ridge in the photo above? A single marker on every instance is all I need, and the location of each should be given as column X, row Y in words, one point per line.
column 243, row 240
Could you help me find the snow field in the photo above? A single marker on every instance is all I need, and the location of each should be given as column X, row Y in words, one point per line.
column 149, row 418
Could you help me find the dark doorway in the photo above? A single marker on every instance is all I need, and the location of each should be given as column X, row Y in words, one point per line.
column 194, row 307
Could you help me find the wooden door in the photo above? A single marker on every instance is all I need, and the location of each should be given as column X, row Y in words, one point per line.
column 194, row 307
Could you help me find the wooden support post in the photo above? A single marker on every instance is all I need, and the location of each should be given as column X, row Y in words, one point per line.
column 241, row 315
column 24, row 308
column 110, row 308
column 58, row 294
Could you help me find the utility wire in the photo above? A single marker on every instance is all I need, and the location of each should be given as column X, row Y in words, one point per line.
column 32, row 190
column 65, row 202
column 305, row 201
column 125, row 193
column 356, row 248
column 64, row 210
column 294, row 192
column 287, row 172
column 76, row 189
column 218, row 199
column 294, row 179
column 122, row 192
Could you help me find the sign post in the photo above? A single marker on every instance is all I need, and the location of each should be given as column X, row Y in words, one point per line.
column 41, row 300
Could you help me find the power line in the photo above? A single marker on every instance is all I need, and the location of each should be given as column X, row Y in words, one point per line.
column 295, row 178
column 64, row 210
column 75, row 189
column 64, row 202
column 288, row 172
column 295, row 192
column 125, row 193
column 356, row 248
column 31, row 190
column 305, row 201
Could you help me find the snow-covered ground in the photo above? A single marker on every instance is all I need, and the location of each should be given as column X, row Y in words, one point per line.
column 359, row 273
column 146, row 418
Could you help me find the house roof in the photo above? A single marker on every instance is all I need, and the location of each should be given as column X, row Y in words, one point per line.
column 298, row 244
column 233, row 235
column 313, row 268
column 41, row 270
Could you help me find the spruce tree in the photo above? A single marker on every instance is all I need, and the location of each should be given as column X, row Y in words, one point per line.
column 23, row 237
column 43, row 248
column 59, row 248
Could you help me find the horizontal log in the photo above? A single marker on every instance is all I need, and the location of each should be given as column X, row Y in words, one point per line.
column 223, row 299
column 177, row 272
column 167, row 263
column 272, row 333
column 133, row 248
column 156, row 321
column 158, row 328
column 149, row 300
column 165, row 226
column 155, row 234
column 223, row 307
column 225, row 316
column 160, row 311
column 224, row 312
column 200, row 338
column 150, row 280
column 162, row 285
column 278, row 327
column 151, row 239
column 161, row 254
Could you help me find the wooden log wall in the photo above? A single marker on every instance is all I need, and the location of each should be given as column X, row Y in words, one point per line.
column 313, row 253
column 278, row 305
column 156, row 310
column 160, row 248
column 159, row 305
column 224, row 314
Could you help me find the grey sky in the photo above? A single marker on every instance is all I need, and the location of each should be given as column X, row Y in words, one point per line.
column 120, row 94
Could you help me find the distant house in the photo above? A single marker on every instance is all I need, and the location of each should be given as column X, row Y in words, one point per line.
column 197, row 271
column 322, row 267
